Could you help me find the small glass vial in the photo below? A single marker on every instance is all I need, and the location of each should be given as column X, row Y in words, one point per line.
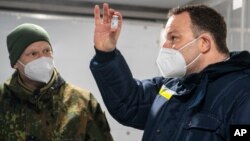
column 114, row 22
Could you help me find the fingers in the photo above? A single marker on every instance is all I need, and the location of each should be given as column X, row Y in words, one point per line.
column 97, row 15
column 105, row 13
column 107, row 16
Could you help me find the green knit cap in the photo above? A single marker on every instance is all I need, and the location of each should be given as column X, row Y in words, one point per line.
column 21, row 37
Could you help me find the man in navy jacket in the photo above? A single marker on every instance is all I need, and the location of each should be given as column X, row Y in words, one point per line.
column 204, row 88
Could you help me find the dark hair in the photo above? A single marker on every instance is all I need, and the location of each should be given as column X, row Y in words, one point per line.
column 206, row 19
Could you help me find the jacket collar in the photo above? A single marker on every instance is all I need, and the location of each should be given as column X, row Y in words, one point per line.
column 239, row 61
column 20, row 91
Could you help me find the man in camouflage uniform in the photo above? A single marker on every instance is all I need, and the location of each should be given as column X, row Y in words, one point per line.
column 36, row 104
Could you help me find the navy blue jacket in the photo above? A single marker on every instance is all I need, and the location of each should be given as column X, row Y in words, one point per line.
column 199, row 107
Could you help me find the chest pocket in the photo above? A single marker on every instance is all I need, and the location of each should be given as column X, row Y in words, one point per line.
column 204, row 122
column 205, row 127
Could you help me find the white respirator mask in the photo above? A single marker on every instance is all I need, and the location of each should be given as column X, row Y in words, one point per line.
column 171, row 62
column 40, row 70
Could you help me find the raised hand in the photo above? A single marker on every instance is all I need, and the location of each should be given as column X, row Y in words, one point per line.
column 105, row 37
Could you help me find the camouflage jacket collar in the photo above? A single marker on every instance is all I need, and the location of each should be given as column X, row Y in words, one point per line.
column 17, row 89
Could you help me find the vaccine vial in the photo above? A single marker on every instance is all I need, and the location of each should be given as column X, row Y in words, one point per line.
column 114, row 22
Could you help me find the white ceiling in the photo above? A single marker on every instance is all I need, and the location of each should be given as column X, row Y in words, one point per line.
column 135, row 9
column 144, row 3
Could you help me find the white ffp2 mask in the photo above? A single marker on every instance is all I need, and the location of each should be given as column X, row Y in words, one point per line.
column 40, row 70
column 171, row 62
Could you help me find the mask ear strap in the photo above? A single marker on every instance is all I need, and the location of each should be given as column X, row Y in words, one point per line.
column 188, row 43
column 193, row 61
column 20, row 62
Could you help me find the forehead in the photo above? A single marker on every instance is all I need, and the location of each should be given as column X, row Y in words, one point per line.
column 180, row 23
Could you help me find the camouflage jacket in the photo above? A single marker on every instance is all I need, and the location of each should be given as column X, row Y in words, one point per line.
column 57, row 112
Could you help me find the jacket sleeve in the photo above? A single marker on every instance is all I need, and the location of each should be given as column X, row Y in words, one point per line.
column 97, row 126
column 127, row 99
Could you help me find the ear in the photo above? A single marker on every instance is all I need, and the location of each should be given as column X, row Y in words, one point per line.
column 206, row 42
column 15, row 66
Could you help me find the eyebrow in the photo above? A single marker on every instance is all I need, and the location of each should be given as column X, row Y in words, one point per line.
column 171, row 32
column 34, row 50
column 48, row 47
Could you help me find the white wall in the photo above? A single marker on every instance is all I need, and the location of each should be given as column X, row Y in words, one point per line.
column 72, row 41
column 237, row 16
